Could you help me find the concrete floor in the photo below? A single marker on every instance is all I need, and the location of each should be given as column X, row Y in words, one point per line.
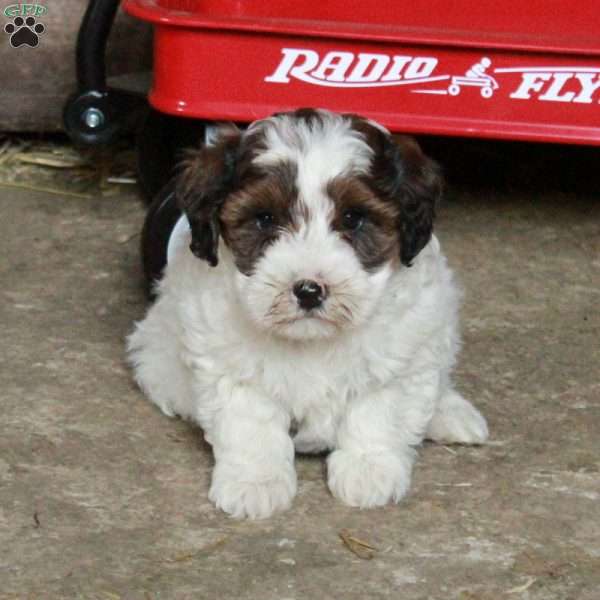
column 102, row 497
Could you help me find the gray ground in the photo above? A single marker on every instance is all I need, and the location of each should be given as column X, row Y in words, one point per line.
column 102, row 497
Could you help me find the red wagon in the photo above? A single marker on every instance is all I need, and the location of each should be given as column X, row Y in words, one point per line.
column 521, row 70
column 512, row 69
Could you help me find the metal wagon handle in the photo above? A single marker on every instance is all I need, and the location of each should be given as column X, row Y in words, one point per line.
column 91, row 43
column 96, row 113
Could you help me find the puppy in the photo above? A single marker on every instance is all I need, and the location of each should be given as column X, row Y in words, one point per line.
column 307, row 306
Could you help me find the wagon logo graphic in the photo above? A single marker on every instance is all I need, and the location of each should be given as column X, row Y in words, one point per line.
column 367, row 70
column 349, row 70
column 577, row 84
column 475, row 76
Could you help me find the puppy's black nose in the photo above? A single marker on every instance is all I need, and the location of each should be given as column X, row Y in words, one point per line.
column 309, row 293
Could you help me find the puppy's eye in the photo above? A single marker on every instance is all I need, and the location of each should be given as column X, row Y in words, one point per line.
column 353, row 220
column 265, row 221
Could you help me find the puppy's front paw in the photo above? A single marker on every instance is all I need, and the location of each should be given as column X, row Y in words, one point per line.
column 457, row 421
column 369, row 479
column 252, row 491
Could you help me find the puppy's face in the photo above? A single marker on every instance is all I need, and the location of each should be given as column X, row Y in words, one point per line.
column 317, row 210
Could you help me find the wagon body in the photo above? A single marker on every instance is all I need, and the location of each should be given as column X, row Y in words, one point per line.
column 514, row 70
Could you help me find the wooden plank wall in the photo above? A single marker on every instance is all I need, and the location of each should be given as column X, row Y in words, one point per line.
column 34, row 82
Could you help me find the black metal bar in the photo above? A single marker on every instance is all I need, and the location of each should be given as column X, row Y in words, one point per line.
column 91, row 44
column 96, row 114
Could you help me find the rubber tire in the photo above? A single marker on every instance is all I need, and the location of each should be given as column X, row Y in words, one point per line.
column 160, row 141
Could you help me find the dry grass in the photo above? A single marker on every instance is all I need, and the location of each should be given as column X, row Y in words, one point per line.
column 54, row 165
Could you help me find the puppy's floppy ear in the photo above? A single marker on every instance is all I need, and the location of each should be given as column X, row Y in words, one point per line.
column 414, row 183
column 206, row 177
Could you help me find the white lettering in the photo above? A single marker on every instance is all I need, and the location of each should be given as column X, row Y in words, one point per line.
column 377, row 64
column 289, row 65
column 395, row 72
column 552, row 94
column 531, row 82
column 336, row 64
column 422, row 66
column 588, row 85
column 340, row 69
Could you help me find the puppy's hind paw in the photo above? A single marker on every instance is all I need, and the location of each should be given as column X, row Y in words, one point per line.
column 256, row 495
column 457, row 421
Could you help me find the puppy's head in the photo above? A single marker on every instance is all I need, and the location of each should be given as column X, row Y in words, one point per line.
column 317, row 209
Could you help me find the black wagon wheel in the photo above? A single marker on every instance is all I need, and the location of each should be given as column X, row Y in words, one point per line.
column 160, row 142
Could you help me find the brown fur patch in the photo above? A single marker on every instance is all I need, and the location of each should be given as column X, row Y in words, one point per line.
column 206, row 175
column 271, row 190
column 376, row 241
column 402, row 175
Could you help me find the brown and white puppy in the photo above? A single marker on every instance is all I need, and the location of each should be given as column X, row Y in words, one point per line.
column 321, row 314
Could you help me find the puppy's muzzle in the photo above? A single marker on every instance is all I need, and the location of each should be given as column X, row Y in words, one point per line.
column 309, row 294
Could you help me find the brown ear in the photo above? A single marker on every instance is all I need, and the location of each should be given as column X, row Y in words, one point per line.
column 206, row 177
column 403, row 175
column 418, row 188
